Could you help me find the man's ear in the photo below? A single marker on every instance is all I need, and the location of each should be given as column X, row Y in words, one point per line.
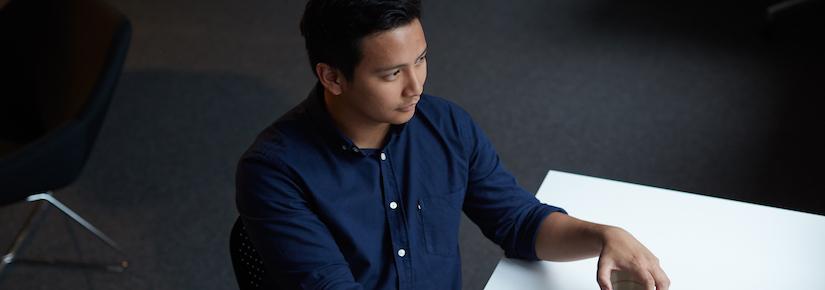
column 331, row 78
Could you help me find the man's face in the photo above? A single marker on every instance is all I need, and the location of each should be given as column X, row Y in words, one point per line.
column 389, row 80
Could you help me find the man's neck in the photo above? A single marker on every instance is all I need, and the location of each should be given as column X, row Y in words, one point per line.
column 364, row 133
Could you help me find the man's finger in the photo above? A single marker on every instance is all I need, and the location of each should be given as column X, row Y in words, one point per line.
column 662, row 281
column 603, row 277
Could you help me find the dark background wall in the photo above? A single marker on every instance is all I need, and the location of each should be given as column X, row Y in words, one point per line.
column 697, row 96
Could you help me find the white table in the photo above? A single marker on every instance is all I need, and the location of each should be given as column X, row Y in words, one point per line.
column 704, row 243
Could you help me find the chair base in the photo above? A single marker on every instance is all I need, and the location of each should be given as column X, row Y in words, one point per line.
column 43, row 201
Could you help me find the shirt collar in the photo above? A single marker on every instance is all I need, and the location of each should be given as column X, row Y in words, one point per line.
column 316, row 107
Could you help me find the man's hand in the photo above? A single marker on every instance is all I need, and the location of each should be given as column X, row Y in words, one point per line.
column 622, row 252
column 565, row 238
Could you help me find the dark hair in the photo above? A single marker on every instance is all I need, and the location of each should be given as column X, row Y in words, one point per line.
column 333, row 29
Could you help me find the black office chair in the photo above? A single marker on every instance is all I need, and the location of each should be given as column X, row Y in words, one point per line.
column 59, row 64
column 249, row 267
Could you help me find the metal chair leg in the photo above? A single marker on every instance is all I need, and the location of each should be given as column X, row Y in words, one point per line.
column 22, row 235
column 43, row 200
column 70, row 213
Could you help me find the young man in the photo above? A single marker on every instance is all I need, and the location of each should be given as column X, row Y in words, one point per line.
column 361, row 186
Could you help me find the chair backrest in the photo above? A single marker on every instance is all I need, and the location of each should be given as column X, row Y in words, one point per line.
column 59, row 64
column 64, row 57
column 61, row 61
column 249, row 267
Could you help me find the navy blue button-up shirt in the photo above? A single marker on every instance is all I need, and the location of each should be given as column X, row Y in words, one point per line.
column 325, row 214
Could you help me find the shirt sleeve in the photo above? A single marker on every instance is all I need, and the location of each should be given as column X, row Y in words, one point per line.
column 506, row 213
column 297, row 248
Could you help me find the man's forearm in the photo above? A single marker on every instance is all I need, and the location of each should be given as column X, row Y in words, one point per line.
column 565, row 238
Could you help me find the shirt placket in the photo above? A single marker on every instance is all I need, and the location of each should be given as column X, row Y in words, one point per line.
column 395, row 216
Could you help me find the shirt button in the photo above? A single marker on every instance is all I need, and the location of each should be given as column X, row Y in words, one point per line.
column 393, row 205
column 402, row 253
column 383, row 156
column 419, row 206
column 355, row 149
column 343, row 147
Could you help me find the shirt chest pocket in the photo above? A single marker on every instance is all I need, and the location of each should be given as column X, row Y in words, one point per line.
column 440, row 216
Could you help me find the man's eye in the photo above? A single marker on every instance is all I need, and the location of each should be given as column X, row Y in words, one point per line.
column 391, row 77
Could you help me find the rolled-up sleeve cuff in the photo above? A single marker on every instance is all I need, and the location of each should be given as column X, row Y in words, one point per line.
column 526, row 245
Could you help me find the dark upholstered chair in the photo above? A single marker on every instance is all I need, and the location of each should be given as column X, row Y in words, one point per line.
column 249, row 267
column 59, row 64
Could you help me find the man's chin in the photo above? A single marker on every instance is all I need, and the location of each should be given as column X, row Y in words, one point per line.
column 402, row 119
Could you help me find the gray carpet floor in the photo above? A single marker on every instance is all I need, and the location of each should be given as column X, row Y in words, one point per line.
column 697, row 96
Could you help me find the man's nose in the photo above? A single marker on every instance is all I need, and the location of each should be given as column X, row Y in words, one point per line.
column 414, row 85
